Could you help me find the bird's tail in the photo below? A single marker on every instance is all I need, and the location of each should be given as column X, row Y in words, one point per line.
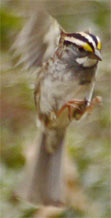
column 47, row 183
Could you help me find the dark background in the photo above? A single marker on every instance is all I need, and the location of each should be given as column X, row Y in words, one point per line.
column 87, row 160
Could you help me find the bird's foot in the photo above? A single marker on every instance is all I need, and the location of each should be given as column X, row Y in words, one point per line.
column 71, row 105
column 76, row 108
column 86, row 106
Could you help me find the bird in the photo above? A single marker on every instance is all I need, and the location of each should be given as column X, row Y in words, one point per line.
column 66, row 66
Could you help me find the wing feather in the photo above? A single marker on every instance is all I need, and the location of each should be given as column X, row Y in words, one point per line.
column 37, row 40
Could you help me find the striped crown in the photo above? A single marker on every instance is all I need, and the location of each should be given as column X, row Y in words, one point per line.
column 86, row 41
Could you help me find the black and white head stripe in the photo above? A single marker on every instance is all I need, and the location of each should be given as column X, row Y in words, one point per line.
column 94, row 38
column 87, row 41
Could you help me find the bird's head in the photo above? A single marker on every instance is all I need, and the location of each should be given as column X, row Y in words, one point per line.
column 85, row 46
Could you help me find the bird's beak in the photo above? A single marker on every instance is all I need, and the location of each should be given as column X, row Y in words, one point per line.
column 97, row 55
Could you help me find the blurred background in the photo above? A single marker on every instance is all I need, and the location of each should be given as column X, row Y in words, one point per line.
column 87, row 160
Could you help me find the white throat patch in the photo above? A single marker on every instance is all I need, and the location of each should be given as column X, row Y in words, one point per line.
column 86, row 61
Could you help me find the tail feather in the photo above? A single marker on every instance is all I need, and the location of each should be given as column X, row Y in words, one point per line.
column 47, row 183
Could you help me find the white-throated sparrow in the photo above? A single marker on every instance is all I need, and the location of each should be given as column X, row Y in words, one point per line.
column 65, row 79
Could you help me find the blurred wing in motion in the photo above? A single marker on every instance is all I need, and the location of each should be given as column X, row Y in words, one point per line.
column 38, row 40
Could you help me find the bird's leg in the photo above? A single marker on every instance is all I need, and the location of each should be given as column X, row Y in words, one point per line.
column 70, row 105
column 86, row 106
column 80, row 107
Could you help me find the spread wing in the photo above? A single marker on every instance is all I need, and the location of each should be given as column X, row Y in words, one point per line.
column 37, row 40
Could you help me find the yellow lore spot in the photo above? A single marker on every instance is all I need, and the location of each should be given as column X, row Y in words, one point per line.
column 99, row 45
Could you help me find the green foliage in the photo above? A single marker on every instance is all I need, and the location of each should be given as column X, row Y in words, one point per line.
column 14, row 157
column 71, row 213
column 28, row 213
column 104, row 10
column 9, row 24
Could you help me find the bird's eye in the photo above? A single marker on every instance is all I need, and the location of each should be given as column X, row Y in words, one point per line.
column 81, row 49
